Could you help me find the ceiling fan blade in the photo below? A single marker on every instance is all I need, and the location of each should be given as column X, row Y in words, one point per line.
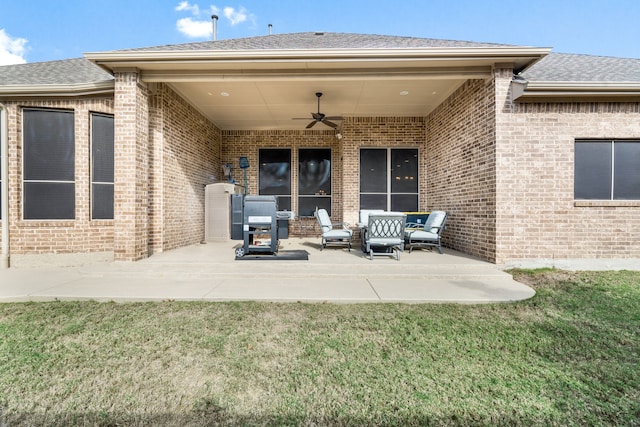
column 334, row 118
column 328, row 123
column 312, row 124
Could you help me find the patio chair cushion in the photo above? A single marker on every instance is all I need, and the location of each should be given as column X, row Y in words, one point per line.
column 385, row 241
column 364, row 216
column 423, row 235
column 337, row 234
column 435, row 218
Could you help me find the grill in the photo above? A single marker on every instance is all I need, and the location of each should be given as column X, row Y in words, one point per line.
column 260, row 226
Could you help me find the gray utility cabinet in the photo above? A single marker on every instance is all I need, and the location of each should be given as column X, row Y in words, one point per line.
column 260, row 227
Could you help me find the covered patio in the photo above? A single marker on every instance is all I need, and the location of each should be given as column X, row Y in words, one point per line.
column 412, row 128
column 209, row 272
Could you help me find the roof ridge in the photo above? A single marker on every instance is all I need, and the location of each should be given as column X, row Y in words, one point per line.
column 592, row 55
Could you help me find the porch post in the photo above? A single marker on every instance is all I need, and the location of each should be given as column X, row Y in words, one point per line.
column 350, row 155
column 504, row 227
column 131, row 167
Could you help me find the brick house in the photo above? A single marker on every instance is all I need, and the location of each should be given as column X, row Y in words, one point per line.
column 534, row 154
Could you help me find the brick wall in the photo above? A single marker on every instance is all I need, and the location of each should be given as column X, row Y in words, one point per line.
column 537, row 215
column 81, row 235
column 460, row 167
column 186, row 155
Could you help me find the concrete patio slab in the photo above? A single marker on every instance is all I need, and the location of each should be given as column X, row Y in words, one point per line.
column 293, row 289
column 208, row 272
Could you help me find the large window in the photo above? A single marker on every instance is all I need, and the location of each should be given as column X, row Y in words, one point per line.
column 607, row 170
column 49, row 165
column 101, row 166
column 275, row 175
column 389, row 179
column 314, row 180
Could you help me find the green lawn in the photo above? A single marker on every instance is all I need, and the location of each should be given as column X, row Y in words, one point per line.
column 569, row 356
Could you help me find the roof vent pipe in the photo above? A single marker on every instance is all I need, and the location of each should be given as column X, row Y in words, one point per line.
column 270, row 29
column 214, row 18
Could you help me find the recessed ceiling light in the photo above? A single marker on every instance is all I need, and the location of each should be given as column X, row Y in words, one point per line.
column 224, row 93
column 404, row 92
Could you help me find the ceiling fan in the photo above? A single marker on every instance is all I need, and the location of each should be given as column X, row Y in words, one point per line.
column 319, row 117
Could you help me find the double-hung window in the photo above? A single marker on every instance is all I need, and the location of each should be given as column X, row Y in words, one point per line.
column 49, row 165
column 314, row 180
column 389, row 179
column 274, row 176
column 607, row 170
column 101, row 166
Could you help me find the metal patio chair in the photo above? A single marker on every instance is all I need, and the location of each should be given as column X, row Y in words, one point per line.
column 428, row 236
column 333, row 233
column 384, row 235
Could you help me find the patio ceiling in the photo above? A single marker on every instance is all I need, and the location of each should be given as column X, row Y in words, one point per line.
column 248, row 90
column 261, row 105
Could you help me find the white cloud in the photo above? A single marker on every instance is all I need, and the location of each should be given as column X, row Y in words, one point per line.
column 185, row 5
column 235, row 16
column 200, row 24
column 194, row 29
column 12, row 50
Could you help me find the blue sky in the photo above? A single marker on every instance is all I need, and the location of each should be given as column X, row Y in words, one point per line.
column 43, row 30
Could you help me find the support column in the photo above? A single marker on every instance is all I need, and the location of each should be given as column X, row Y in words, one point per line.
column 504, row 206
column 131, row 167
column 350, row 155
column 156, row 149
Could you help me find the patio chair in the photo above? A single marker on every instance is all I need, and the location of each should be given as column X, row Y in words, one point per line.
column 333, row 236
column 364, row 222
column 429, row 235
column 384, row 234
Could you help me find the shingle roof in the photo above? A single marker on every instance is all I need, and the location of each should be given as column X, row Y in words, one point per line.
column 565, row 67
column 317, row 40
column 64, row 72
column 555, row 67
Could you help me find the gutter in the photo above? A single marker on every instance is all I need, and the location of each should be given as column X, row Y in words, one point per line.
column 261, row 59
column 63, row 90
column 4, row 146
column 306, row 54
column 532, row 91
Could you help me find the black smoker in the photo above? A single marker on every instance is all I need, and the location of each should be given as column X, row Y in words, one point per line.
column 260, row 225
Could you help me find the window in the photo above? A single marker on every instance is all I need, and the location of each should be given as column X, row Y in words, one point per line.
column 607, row 170
column 314, row 180
column 49, row 165
column 389, row 179
column 101, row 166
column 274, row 177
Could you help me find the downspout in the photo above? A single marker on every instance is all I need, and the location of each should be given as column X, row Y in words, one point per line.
column 4, row 147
